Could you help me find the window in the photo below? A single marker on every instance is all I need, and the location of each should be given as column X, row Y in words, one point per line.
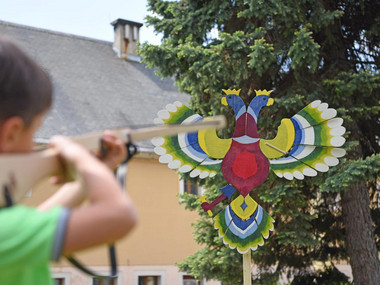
column 149, row 277
column 96, row 281
column 190, row 280
column 190, row 187
column 99, row 281
column 61, row 278
column 59, row 281
column 149, row 280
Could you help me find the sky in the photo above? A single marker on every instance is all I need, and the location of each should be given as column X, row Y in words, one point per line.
column 89, row 18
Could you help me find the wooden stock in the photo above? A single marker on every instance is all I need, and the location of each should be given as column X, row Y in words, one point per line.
column 20, row 172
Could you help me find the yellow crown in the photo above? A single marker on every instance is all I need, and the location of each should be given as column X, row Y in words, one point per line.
column 263, row 92
column 231, row 91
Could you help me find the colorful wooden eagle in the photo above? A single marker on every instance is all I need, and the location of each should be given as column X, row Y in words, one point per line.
column 305, row 144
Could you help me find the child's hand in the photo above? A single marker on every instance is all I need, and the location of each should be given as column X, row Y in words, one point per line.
column 69, row 150
column 73, row 153
column 115, row 150
column 72, row 156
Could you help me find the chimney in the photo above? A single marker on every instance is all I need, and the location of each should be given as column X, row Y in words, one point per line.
column 126, row 36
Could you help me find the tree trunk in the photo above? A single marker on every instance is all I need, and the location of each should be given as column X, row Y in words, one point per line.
column 361, row 244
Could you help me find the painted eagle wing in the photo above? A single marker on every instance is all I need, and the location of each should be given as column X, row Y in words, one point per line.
column 307, row 143
column 192, row 153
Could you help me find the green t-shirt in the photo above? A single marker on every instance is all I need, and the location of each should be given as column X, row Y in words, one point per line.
column 29, row 239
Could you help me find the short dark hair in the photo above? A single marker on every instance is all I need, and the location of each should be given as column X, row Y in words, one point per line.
column 25, row 88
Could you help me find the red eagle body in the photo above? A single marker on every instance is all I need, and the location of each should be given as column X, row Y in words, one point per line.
column 244, row 165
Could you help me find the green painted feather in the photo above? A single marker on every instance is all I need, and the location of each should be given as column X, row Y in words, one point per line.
column 183, row 152
column 243, row 234
column 316, row 145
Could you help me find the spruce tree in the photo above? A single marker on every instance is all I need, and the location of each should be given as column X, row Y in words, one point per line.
column 303, row 50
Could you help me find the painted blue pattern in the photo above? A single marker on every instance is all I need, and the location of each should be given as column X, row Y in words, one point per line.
column 299, row 138
column 242, row 233
column 241, row 224
column 228, row 190
column 256, row 104
column 244, row 205
column 192, row 145
column 191, row 141
column 237, row 105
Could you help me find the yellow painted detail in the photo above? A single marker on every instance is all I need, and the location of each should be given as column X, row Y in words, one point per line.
column 263, row 92
column 248, row 209
column 224, row 101
column 270, row 102
column 231, row 91
column 212, row 144
column 202, row 199
column 283, row 140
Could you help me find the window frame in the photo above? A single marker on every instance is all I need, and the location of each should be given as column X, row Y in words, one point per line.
column 119, row 278
column 62, row 275
column 182, row 182
column 201, row 282
column 159, row 273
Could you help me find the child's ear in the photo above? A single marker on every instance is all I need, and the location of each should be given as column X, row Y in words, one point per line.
column 10, row 131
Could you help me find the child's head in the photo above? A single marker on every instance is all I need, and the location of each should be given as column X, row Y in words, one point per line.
column 25, row 95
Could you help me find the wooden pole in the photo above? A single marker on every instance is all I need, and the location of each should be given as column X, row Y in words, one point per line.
column 247, row 271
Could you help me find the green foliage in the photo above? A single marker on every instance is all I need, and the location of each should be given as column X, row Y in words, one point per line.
column 303, row 50
column 209, row 262
column 353, row 173
column 262, row 56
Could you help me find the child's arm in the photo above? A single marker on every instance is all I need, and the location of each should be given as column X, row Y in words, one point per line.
column 109, row 214
column 71, row 194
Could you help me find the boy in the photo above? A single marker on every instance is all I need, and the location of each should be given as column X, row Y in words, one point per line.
column 30, row 238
